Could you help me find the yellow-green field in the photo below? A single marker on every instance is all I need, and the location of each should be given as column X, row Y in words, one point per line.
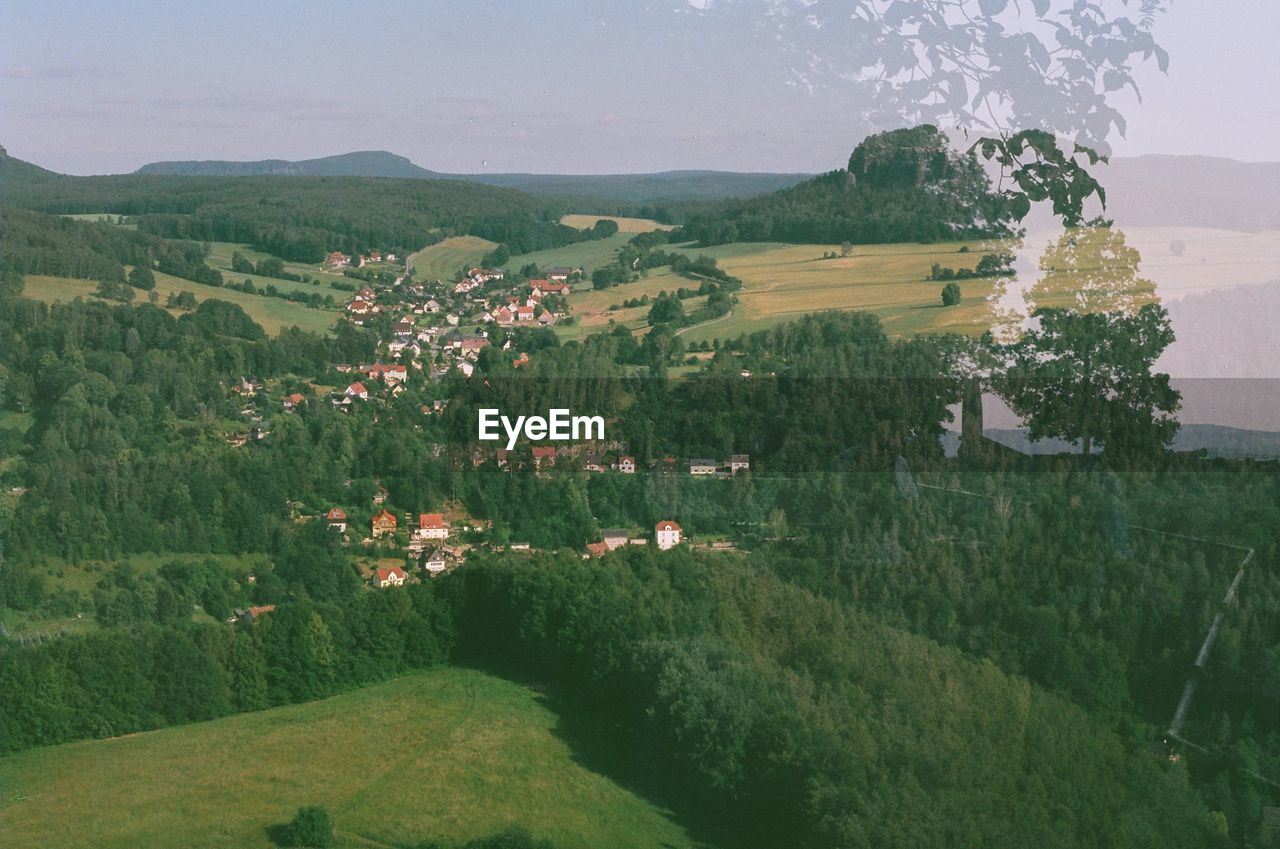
column 443, row 259
column 625, row 225
column 273, row 314
column 446, row 755
column 589, row 255
column 782, row 282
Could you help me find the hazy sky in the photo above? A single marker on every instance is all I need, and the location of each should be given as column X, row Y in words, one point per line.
column 574, row 86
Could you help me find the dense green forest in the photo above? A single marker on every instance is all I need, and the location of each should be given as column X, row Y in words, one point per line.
column 299, row 218
column 879, row 664
column 899, row 186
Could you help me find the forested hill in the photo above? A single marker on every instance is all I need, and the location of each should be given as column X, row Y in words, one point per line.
column 899, row 186
column 611, row 189
column 297, row 218
column 361, row 163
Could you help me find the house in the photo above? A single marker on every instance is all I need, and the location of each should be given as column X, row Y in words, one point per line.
column 627, row 465
column 504, row 316
column 614, row 538
column 434, row 561
column 382, row 524
column 337, row 259
column 702, row 467
column 596, row 549
column 291, row 402
column 548, row 287
column 357, row 390
column 432, row 526
column 336, row 518
column 252, row 614
column 543, row 455
column 471, row 344
column 559, row 273
column 390, row 373
column 432, row 306
column 546, row 319
column 404, row 325
column 389, row 577
column 524, row 312
column 592, row 463
column 380, row 495
column 739, row 463
column 359, row 306
column 667, row 534
column 522, row 360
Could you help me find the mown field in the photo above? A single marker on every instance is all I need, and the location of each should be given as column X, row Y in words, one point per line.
column 445, row 755
column 625, row 225
column 273, row 314
column 443, row 259
column 782, row 282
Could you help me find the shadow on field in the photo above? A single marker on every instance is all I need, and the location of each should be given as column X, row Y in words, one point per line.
column 280, row 834
column 620, row 753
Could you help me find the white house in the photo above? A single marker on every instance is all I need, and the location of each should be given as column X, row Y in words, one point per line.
column 667, row 534
column 615, row 538
column 702, row 467
column 393, row 577
column 432, row 526
column 739, row 463
column 434, row 561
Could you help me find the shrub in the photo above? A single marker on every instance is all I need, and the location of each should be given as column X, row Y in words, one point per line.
column 951, row 294
column 311, row 826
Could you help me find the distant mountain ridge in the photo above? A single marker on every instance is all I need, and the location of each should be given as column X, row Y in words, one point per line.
column 634, row 188
column 361, row 163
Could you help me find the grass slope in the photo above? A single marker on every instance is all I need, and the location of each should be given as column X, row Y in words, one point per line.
column 449, row 754
column 625, row 225
column 273, row 314
column 443, row 259
column 782, row 282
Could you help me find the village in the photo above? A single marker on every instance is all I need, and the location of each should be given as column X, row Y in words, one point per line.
column 435, row 328
column 430, row 544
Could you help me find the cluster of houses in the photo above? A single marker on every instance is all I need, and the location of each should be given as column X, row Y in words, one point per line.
column 428, row 543
column 441, row 326
column 470, row 301
column 666, row 535
column 430, row 550
column 337, row 259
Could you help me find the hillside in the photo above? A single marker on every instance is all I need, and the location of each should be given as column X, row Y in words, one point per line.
column 297, row 218
column 900, row 186
column 465, row 755
column 665, row 186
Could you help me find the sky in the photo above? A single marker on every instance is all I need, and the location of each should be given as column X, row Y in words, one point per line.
column 575, row 86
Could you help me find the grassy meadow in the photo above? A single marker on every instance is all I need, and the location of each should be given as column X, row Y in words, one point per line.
column 220, row 254
column 631, row 226
column 782, row 282
column 443, row 259
column 448, row 755
column 274, row 314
